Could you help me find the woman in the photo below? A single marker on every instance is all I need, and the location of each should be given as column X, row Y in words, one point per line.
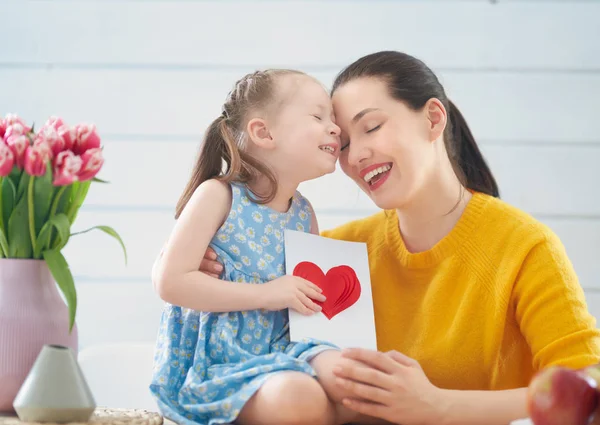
column 471, row 295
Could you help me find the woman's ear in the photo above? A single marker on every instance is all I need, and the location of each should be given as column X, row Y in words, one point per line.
column 436, row 118
column 259, row 133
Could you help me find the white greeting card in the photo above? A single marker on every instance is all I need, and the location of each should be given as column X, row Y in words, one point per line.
column 341, row 269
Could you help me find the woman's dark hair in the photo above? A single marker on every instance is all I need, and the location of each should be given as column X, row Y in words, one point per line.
column 225, row 139
column 412, row 82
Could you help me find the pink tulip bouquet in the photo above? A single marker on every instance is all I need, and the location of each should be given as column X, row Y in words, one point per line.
column 44, row 179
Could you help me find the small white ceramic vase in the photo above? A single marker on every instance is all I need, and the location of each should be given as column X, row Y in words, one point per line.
column 55, row 389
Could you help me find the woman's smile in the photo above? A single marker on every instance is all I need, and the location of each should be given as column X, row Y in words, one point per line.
column 375, row 175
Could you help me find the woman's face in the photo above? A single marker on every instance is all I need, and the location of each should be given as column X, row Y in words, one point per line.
column 387, row 147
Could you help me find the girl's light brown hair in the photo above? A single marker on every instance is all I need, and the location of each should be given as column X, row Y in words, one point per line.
column 222, row 154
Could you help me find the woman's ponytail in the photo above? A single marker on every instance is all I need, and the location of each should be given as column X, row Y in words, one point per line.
column 468, row 158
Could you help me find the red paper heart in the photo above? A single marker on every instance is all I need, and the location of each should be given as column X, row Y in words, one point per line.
column 340, row 285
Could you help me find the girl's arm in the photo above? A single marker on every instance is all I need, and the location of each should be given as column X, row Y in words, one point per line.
column 175, row 274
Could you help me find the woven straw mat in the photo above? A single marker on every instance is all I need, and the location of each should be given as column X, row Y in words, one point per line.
column 104, row 416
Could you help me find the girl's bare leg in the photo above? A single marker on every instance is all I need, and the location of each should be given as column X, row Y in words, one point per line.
column 323, row 365
column 289, row 398
column 295, row 398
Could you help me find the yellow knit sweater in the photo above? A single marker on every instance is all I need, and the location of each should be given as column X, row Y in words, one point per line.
column 494, row 301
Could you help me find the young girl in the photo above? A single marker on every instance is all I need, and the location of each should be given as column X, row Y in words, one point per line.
column 223, row 351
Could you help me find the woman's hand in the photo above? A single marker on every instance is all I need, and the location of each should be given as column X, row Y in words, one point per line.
column 389, row 386
column 210, row 265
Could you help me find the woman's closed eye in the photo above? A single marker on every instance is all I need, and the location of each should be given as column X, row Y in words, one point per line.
column 374, row 129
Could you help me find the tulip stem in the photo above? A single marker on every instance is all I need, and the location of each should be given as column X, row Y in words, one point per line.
column 2, row 228
column 57, row 200
column 72, row 210
column 53, row 209
column 3, row 248
column 31, row 212
column 77, row 201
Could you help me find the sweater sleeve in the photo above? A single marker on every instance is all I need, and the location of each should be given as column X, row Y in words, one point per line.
column 551, row 309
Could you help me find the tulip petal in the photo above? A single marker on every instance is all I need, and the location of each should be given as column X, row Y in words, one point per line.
column 66, row 167
column 7, row 159
column 92, row 162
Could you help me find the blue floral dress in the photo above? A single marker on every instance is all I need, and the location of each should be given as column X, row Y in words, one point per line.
column 207, row 365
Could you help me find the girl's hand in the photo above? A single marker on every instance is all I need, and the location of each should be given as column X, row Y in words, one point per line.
column 285, row 292
column 292, row 292
column 210, row 265
column 389, row 386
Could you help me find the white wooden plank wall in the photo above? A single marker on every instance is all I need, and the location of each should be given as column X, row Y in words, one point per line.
column 153, row 74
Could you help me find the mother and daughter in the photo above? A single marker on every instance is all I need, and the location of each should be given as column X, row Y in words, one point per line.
column 471, row 296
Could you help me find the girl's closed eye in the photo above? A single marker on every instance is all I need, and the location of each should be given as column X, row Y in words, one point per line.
column 317, row 117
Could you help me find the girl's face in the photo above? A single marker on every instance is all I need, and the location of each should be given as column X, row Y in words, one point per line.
column 387, row 147
column 306, row 137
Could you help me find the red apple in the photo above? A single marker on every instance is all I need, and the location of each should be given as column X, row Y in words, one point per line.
column 561, row 396
column 593, row 372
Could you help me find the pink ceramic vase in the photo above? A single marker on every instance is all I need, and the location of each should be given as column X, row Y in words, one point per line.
column 32, row 314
